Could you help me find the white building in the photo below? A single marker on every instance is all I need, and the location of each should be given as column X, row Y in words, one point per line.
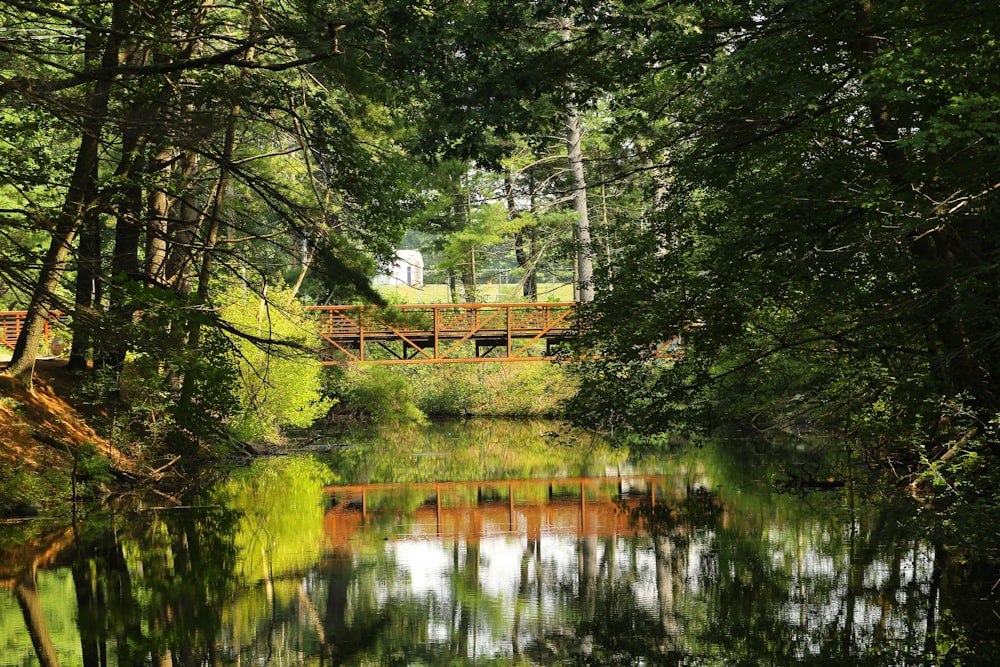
column 406, row 269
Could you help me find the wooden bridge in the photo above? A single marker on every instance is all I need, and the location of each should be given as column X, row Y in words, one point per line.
column 425, row 333
column 442, row 333
column 11, row 322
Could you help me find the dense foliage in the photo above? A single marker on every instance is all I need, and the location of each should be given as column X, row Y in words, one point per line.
column 156, row 150
column 823, row 219
column 404, row 394
column 154, row 147
column 820, row 237
column 279, row 383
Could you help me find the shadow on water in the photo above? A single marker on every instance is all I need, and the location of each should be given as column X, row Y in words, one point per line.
column 495, row 543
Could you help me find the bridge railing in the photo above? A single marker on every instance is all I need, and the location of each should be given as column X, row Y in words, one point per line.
column 11, row 322
column 445, row 317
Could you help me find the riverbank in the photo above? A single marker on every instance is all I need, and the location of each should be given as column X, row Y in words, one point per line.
column 47, row 444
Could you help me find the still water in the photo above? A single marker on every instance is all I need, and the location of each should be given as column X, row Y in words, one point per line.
column 496, row 543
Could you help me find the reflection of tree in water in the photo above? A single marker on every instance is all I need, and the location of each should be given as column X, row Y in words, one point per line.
column 19, row 569
column 774, row 586
column 343, row 639
column 617, row 626
column 195, row 583
column 471, row 450
column 834, row 588
column 152, row 590
column 724, row 578
column 146, row 591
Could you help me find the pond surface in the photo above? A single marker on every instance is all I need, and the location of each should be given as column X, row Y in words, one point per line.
column 496, row 543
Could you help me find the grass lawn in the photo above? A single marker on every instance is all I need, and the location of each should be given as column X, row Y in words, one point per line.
column 438, row 293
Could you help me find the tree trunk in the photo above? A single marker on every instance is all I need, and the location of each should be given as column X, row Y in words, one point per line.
column 74, row 207
column 453, row 286
column 469, row 280
column 303, row 269
column 534, row 249
column 526, row 259
column 574, row 153
column 158, row 204
column 183, row 221
column 22, row 362
column 88, row 257
column 124, row 260
column 88, row 283
column 89, row 610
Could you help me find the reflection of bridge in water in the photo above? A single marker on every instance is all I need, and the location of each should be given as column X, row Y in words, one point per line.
column 471, row 511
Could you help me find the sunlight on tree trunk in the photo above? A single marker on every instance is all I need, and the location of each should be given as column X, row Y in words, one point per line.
column 574, row 152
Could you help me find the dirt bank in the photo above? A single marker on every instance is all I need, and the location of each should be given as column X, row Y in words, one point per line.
column 41, row 432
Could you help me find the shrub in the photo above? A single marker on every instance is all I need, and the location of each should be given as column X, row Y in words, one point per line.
column 529, row 389
column 381, row 393
column 398, row 393
column 278, row 375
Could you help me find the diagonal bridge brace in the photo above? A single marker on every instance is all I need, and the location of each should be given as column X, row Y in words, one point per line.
column 513, row 354
column 473, row 330
column 409, row 343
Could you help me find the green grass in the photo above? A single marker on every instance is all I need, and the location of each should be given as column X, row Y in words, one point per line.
column 438, row 293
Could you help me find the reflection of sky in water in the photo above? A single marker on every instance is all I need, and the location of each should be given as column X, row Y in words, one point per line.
column 644, row 586
column 821, row 595
column 424, row 565
column 818, row 591
column 500, row 566
column 427, row 568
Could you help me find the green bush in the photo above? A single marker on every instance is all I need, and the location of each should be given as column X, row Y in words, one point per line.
column 91, row 470
column 381, row 393
column 133, row 409
column 529, row 389
column 448, row 390
column 407, row 393
column 24, row 490
column 277, row 372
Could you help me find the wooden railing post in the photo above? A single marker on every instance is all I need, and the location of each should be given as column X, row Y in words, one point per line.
column 436, row 331
column 510, row 326
column 361, row 334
